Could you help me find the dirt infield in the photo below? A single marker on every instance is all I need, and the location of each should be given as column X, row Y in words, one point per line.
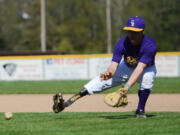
column 93, row 103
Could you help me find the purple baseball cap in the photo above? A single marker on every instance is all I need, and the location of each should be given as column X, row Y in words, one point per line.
column 135, row 24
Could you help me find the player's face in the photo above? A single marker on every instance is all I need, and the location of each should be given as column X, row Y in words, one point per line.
column 135, row 37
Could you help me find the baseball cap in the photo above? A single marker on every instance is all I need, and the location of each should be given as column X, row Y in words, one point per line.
column 135, row 24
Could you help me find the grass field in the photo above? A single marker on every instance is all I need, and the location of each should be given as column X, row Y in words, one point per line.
column 161, row 85
column 69, row 123
column 85, row 123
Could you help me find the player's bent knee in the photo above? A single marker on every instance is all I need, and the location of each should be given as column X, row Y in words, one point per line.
column 96, row 85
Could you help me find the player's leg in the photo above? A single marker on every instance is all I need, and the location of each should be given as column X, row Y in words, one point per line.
column 143, row 96
column 121, row 75
column 146, row 84
column 80, row 94
column 96, row 85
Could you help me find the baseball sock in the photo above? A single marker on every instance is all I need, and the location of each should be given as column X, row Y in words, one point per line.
column 82, row 93
column 143, row 96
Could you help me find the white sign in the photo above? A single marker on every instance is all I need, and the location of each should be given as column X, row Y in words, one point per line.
column 167, row 65
column 98, row 65
column 74, row 68
column 21, row 69
column 66, row 68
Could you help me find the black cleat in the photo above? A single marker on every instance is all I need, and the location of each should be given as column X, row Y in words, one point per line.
column 58, row 105
column 140, row 114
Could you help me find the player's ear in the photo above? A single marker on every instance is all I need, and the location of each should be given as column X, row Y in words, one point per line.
column 143, row 32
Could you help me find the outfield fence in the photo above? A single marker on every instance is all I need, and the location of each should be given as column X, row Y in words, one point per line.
column 74, row 67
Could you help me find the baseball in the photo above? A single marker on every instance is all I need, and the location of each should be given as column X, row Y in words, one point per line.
column 8, row 115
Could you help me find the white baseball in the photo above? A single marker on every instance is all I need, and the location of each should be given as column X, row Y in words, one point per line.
column 8, row 115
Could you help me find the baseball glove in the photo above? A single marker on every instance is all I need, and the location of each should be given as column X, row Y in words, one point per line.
column 118, row 98
column 58, row 105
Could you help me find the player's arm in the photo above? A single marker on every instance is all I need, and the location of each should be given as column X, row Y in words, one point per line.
column 110, row 71
column 136, row 74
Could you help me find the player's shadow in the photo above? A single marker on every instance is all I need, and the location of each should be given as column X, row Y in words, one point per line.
column 150, row 115
column 117, row 117
column 123, row 116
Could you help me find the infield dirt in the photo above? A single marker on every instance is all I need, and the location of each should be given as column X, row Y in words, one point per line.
column 92, row 103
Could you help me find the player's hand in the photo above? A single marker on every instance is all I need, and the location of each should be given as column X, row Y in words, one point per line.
column 106, row 75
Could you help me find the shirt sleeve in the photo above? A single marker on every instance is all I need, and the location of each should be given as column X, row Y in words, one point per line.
column 148, row 55
column 117, row 54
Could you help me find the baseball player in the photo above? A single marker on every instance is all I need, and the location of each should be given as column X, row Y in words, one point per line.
column 133, row 61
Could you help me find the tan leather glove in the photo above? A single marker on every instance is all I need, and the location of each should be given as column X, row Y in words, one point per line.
column 118, row 98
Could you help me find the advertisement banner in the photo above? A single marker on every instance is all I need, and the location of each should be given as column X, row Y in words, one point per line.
column 69, row 68
column 167, row 65
column 30, row 69
column 98, row 65
column 66, row 68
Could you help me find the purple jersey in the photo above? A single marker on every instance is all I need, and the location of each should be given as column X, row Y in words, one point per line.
column 144, row 53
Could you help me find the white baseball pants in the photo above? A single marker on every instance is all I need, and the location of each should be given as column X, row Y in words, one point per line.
column 122, row 75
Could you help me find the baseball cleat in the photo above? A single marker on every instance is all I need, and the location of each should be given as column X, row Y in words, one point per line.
column 58, row 105
column 140, row 114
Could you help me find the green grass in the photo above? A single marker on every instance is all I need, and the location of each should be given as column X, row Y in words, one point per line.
column 161, row 85
column 71, row 123
column 85, row 123
column 33, row 87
